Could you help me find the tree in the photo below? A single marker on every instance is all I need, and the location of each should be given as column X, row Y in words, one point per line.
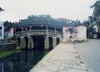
column 63, row 20
column 39, row 17
column 32, row 17
column 96, row 7
column 96, row 4
column 86, row 23
column 1, row 9
column 48, row 17
column 96, row 13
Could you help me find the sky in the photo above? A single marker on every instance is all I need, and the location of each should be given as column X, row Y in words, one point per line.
column 14, row 10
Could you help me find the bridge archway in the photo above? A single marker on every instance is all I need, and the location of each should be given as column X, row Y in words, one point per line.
column 50, row 43
column 38, row 42
column 19, row 41
column 58, row 41
column 23, row 43
column 30, row 43
column 26, row 42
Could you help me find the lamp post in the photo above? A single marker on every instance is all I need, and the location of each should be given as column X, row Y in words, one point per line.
column 1, row 11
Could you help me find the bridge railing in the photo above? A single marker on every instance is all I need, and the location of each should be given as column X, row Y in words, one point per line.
column 41, row 32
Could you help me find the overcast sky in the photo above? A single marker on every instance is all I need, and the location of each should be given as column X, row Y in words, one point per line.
column 70, row 9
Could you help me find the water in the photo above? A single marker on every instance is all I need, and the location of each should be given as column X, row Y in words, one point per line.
column 24, row 61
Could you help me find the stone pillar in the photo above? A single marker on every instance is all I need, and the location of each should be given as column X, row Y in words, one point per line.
column 23, row 43
column 22, row 30
column 47, row 30
column 30, row 43
column 55, row 30
column 46, row 42
column 54, row 42
column 60, row 39
column 30, row 28
column 14, row 31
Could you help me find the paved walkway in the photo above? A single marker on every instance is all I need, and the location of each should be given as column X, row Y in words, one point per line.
column 63, row 58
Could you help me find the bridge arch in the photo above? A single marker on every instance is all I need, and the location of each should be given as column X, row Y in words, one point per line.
column 58, row 40
column 18, row 41
column 26, row 42
column 30, row 43
column 50, row 43
column 39, row 41
column 23, row 43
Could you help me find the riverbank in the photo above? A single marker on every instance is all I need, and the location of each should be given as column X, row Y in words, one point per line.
column 7, row 53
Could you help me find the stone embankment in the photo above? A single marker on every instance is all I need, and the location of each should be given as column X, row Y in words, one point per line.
column 63, row 58
column 6, row 44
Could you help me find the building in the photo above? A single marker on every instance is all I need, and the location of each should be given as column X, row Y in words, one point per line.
column 76, row 31
column 1, row 29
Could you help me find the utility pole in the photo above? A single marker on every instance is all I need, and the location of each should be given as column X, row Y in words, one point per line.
column 1, row 11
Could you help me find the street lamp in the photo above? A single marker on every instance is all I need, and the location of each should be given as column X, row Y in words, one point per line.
column 1, row 10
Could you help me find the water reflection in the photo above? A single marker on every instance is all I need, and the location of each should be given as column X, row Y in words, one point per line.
column 22, row 62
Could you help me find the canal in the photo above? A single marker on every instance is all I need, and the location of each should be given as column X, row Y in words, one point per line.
column 23, row 61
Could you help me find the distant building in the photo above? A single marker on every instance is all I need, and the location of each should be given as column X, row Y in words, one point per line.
column 6, row 31
column 94, row 24
column 1, row 30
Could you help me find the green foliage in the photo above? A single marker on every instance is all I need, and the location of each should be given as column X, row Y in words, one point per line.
column 96, row 4
column 86, row 22
column 38, row 17
column 96, row 7
column 63, row 19
column 7, row 53
column 1, row 9
column 46, row 18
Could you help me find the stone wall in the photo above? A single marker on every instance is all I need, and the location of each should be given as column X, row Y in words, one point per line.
column 6, row 44
column 10, row 46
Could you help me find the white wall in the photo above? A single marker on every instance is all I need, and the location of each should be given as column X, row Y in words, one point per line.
column 66, row 33
column 2, row 25
column 79, row 33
